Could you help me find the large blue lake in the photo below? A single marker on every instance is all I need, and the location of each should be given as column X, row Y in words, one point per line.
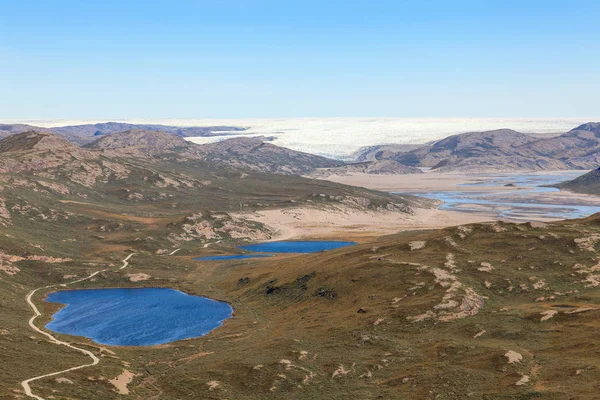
column 136, row 317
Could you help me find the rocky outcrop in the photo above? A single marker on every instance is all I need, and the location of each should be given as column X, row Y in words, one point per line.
column 213, row 226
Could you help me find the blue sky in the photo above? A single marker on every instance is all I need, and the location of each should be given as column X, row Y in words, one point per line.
column 252, row 58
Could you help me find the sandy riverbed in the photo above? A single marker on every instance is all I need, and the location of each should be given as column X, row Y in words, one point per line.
column 489, row 187
column 346, row 222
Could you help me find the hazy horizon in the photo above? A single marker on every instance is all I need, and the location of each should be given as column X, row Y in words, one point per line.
column 343, row 137
column 208, row 121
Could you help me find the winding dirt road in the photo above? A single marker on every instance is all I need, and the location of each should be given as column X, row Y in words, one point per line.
column 37, row 313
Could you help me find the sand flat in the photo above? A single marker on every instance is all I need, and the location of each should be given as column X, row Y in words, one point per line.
column 342, row 221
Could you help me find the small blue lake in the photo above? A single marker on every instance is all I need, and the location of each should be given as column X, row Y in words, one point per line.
column 288, row 246
column 295, row 246
column 136, row 317
column 232, row 257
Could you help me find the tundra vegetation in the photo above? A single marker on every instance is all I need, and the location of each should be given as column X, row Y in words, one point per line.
column 489, row 310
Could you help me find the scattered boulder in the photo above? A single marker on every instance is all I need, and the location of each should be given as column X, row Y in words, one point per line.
column 513, row 357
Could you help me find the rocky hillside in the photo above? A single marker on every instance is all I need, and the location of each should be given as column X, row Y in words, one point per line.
column 379, row 167
column 140, row 142
column 35, row 141
column 588, row 183
column 486, row 311
column 44, row 176
column 255, row 153
column 83, row 134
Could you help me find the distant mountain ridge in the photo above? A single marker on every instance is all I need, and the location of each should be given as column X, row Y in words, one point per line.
column 11, row 129
column 501, row 150
column 506, row 150
column 253, row 153
column 83, row 134
column 84, row 131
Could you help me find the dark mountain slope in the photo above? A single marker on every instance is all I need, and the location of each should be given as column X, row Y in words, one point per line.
column 33, row 140
column 588, row 183
column 579, row 146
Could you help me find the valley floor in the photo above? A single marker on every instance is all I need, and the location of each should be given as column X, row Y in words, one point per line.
column 498, row 196
column 348, row 223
